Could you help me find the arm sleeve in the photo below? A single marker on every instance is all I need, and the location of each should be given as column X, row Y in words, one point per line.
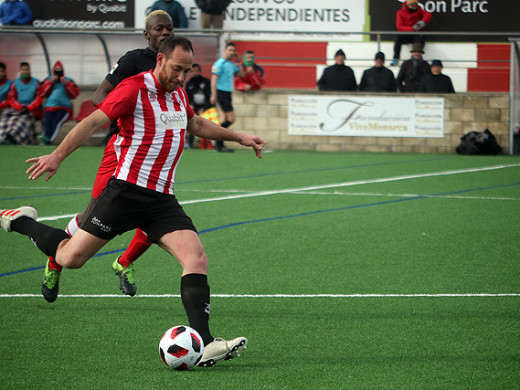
column 400, row 23
column 183, row 20
column 426, row 16
column 71, row 89
column 121, row 101
column 124, row 68
column 46, row 88
column 12, row 98
column 38, row 99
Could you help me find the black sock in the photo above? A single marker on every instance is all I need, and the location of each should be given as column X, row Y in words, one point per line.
column 226, row 124
column 45, row 238
column 195, row 298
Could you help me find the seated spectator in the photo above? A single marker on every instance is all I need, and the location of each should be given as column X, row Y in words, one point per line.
column 410, row 18
column 174, row 9
column 436, row 82
column 253, row 77
column 15, row 12
column 338, row 77
column 378, row 78
column 17, row 121
column 58, row 91
column 5, row 86
column 412, row 70
column 198, row 89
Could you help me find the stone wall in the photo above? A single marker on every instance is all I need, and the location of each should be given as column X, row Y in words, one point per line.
column 265, row 113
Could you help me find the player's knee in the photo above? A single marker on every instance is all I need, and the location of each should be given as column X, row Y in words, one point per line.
column 70, row 259
column 197, row 263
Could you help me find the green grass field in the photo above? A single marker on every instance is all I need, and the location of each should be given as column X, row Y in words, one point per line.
column 344, row 270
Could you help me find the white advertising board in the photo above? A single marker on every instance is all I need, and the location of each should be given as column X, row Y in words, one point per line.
column 349, row 115
column 278, row 15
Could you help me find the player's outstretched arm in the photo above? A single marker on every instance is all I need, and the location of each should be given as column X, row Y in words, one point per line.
column 74, row 139
column 204, row 128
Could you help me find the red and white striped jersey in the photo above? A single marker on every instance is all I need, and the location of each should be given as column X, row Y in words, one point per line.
column 152, row 125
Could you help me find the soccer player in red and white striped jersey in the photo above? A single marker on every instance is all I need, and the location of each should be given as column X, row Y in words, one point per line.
column 153, row 114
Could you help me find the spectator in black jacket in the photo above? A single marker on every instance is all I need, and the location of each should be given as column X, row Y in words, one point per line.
column 198, row 89
column 338, row 77
column 412, row 70
column 212, row 13
column 436, row 82
column 378, row 78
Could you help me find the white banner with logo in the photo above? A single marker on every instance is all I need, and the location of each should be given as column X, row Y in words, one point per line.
column 278, row 15
column 349, row 115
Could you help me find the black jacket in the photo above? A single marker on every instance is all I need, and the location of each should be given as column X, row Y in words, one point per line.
column 213, row 7
column 438, row 84
column 199, row 91
column 337, row 78
column 409, row 75
column 377, row 80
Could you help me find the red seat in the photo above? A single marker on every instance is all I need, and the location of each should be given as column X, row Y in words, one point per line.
column 85, row 110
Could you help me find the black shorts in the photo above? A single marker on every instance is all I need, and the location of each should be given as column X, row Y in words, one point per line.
column 123, row 206
column 224, row 100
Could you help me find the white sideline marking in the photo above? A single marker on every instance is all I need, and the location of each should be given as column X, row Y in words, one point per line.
column 353, row 183
column 273, row 295
column 324, row 186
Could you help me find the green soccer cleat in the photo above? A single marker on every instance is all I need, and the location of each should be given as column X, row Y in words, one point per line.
column 50, row 284
column 220, row 349
column 126, row 277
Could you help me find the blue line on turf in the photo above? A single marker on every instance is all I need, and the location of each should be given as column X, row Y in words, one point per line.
column 301, row 215
column 45, row 195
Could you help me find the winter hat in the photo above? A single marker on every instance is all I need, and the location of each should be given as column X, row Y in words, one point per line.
column 380, row 56
column 58, row 63
column 437, row 63
column 411, row 2
column 340, row 53
column 417, row 47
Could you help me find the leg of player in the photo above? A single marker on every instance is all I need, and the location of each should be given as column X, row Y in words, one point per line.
column 68, row 252
column 123, row 266
column 185, row 245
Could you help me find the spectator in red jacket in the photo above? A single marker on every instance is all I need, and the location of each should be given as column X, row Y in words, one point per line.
column 410, row 18
column 59, row 92
column 253, row 77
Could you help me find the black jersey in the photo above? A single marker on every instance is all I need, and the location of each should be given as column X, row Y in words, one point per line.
column 132, row 63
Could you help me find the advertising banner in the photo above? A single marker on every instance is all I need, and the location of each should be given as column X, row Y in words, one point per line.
column 279, row 15
column 349, row 115
column 81, row 14
column 454, row 16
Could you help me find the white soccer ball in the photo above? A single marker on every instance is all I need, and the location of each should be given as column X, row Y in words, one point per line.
column 181, row 347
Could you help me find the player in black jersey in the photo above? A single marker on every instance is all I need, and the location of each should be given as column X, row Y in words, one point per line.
column 159, row 26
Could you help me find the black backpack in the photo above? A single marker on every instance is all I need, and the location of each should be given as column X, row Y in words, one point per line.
column 476, row 142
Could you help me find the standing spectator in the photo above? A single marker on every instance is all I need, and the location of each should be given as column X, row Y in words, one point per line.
column 224, row 70
column 198, row 89
column 412, row 70
column 410, row 18
column 58, row 91
column 5, row 86
column 436, row 81
column 378, row 78
column 212, row 13
column 253, row 77
column 174, row 9
column 15, row 12
column 17, row 122
column 338, row 77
